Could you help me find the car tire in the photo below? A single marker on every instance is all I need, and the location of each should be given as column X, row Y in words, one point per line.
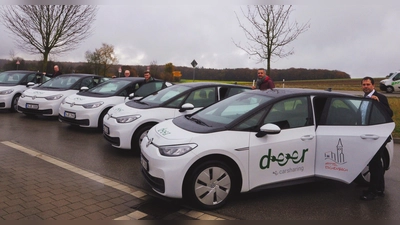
column 14, row 103
column 365, row 176
column 209, row 185
column 101, row 117
column 138, row 136
column 389, row 89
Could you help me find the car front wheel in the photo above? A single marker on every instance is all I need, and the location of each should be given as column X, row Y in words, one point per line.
column 389, row 89
column 139, row 135
column 14, row 103
column 209, row 185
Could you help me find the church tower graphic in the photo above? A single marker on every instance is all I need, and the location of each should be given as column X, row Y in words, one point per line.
column 337, row 156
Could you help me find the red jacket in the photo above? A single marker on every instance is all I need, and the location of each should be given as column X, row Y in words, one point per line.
column 265, row 84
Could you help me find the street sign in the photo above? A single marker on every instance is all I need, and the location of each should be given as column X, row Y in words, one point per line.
column 194, row 63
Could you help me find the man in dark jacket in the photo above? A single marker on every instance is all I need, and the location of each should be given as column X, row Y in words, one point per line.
column 264, row 82
column 377, row 181
column 57, row 71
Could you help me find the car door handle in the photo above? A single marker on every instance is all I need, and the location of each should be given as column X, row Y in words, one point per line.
column 370, row 136
column 307, row 137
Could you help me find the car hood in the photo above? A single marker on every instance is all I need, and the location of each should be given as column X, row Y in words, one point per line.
column 79, row 99
column 42, row 93
column 123, row 110
column 167, row 133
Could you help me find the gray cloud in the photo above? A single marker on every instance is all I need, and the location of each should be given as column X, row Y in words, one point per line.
column 357, row 39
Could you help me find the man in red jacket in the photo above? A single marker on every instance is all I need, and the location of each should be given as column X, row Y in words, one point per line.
column 264, row 82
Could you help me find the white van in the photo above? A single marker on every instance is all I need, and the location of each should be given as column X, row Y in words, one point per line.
column 391, row 83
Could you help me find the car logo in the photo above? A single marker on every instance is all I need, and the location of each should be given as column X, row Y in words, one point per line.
column 33, row 97
column 72, row 104
column 149, row 142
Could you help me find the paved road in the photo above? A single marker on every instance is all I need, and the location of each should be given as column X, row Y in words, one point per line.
column 86, row 149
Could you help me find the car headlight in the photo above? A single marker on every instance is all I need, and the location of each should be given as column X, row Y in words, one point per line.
column 6, row 92
column 127, row 119
column 176, row 150
column 54, row 97
column 92, row 105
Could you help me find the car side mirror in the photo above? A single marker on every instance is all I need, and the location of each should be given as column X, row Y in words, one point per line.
column 268, row 128
column 30, row 84
column 84, row 89
column 186, row 106
column 131, row 96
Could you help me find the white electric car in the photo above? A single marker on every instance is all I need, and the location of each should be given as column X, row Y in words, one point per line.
column 264, row 139
column 46, row 98
column 13, row 83
column 87, row 108
column 125, row 124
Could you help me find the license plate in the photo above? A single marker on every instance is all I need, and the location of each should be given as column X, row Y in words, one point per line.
column 106, row 130
column 144, row 162
column 69, row 115
column 32, row 106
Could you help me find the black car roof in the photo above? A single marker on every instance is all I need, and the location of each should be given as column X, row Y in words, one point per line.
column 280, row 92
column 205, row 84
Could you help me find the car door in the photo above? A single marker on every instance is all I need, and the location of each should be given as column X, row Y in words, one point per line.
column 291, row 153
column 346, row 144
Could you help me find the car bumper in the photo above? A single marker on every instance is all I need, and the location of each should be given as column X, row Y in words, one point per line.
column 45, row 107
column 83, row 117
column 119, row 135
column 5, row 101
column 164, row 174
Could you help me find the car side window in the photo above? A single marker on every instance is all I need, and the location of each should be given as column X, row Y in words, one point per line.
column 290, row 113
column 342, row 111
column 202, row 97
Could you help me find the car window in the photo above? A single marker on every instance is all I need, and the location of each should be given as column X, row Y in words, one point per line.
column 233, row 91
column 228, row 110
column 345, row 111
column 290, row 113
column 202, row 97
column 149, row 88
column 164, row 95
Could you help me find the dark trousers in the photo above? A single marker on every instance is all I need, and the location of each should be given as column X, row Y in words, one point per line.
column 377, row 181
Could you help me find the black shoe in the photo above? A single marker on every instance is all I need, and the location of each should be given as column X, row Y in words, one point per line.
column 368, row 195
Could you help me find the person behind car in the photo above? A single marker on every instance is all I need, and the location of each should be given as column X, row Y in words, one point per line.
column 57, row 71
column 376, row 185
column 264, row 82
column 127, row 73
column 147, row 77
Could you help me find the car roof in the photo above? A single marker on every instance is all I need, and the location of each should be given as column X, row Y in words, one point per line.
column 205, row 84
column 284, row 92
column 79, row 75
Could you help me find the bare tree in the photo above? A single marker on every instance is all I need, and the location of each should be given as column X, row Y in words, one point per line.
column 270, row 32
column 45, row 29
column 102, row 59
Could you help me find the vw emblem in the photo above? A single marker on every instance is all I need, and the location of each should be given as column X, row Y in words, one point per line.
column 149, row 142
column 72, row 104
column 33, row 97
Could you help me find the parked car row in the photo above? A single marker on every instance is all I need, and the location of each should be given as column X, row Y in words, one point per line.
column 205, row 142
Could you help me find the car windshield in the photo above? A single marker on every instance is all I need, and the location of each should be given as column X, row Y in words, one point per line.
column 226, row 111
column 110, row 87
column 62, row 82
column 164, row 95
column 11, row 77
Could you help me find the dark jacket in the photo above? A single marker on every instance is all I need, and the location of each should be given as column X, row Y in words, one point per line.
column 384, row 101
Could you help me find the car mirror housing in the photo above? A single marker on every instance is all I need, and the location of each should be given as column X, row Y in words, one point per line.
column 84, row 89
column 186, row 106
column 30, row 84
column 131, row 96
column 268, row 128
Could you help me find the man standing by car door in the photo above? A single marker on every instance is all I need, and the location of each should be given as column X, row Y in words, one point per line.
column 377, row 181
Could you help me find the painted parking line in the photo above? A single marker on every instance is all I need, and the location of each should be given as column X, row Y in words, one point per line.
column 136, row 215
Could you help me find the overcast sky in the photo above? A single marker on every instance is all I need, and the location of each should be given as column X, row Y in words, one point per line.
column 359, row 39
